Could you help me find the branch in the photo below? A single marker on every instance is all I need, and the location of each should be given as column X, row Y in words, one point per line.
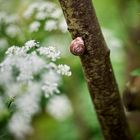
column 82, row 22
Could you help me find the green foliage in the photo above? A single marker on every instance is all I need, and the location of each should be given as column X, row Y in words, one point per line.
column 45, row 126
column 135, row 72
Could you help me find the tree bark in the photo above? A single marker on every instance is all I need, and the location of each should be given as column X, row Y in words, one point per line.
column 82, row 22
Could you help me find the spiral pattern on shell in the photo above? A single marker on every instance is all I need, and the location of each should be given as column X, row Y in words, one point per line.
column 77, row 46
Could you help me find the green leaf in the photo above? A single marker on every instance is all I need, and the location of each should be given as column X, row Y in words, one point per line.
column 135, row 72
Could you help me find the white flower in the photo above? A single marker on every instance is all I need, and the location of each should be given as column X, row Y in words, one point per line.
column 30, row 65
column 30, row 10
column 50, row 25
column 51, row 65
column 64, row 70
column 46, row 11
column 36, row 63
column 22, row 51
column 13, row 30
column 14, row 89
column 5, row 76
column 62, row 26
column 50, row 52
column 25, row 72
column 11, row 19
column 51, row 76
column 56, row 13
column 34, row 26
column 46, row 6
column 59, row 107
column 28, row 104
column 15, row 50
column 41, row 9
column 31, row 44
column 50, row 88
column 40, row 15
column 19, row 126
column 50, row 82
column 25, row 75
column 7, row 18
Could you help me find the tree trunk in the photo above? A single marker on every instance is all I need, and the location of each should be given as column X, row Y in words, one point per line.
column 82, row 22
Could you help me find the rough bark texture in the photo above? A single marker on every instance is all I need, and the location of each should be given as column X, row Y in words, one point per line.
column 82, row 22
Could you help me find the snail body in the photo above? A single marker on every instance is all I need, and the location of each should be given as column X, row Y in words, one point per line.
column 77, row 46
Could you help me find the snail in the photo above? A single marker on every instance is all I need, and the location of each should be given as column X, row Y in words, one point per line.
column 77, row 46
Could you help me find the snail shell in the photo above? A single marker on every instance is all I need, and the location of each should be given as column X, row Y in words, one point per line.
column 77, row 46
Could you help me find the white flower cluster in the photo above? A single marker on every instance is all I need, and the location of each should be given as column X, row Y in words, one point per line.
column 31, row 59
column 8, row 24
column 19, row 126
column 8, row 28
column 64, row 70
column 25, row 73
column 27, row 105
column 50, row 52
column 49, row 13
column 59, row 107
column 7, row 18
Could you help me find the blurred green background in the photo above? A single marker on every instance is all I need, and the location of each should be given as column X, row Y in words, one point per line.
column 119, row 21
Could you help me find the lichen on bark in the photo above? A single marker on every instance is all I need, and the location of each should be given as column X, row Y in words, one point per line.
column 82, row 22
